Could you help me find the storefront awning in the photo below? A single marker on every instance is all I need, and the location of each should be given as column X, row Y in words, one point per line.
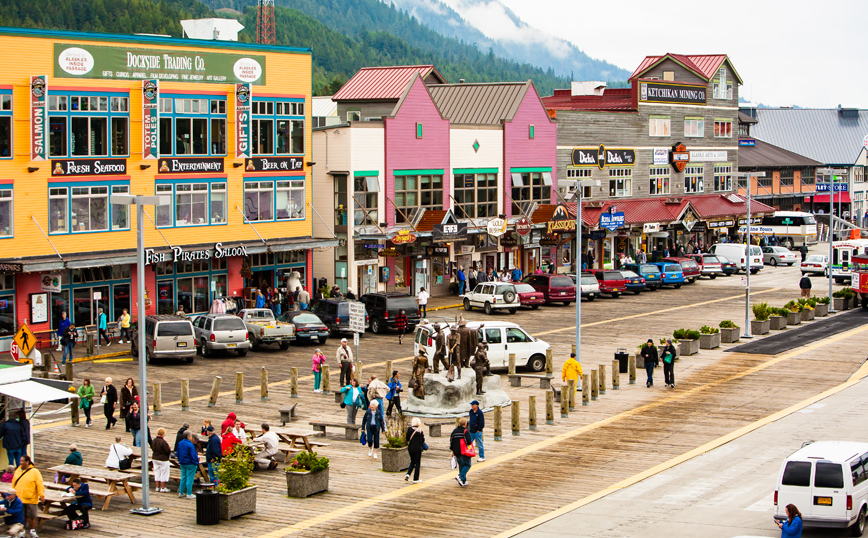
column 33, row 392
column 843, row 197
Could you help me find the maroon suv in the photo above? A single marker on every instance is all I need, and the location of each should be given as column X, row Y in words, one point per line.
column 611, row 282
column 689, row 267
column 555, row 288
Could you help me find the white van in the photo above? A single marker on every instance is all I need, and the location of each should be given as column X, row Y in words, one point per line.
column 503, row 338
column 735, row 252
column 828, row 483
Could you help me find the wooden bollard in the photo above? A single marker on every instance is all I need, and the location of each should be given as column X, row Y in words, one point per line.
column 586, row 389
column 550, row 407
column 511, row 370
column 215, row 391
column 157, row 400
column 185, row 395
column 388, row 371
column 325, row 385
column 616, row 375
column 73, row 412
column 565, row 401
column 531, row 413
column 239, row 387
column 516, row 417
column 595, row 385
column 574, row 348
column 602, row 387
column 67, row 372
column 498, row 427
column 263, row 385
column 631, row 368
column 293, row 382
column 358, row 373
column 571, row 389
column 550, row 368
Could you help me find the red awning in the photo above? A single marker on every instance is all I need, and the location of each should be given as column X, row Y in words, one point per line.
column 843, row 197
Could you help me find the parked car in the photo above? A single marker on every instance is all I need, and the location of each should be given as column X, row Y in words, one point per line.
column 383, row 308
column 335, row 313
column 635, row 283
column 815, row 264
column 689, row 268
column 590, row 288
column 709, row 265
column 221, row 332
column 527, row 296
column 491, row 296
column 264, row 329
column 555, row 288
column 729, row 268
column 610, row 282
column 648, row 271
column 737, row 253
column 503, row 338
column 670, row 274
column 778, row 255
column 308, row 326
column 166, row 337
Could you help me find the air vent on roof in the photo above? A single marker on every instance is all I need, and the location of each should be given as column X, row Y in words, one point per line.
column 734, row 198
column 594, row 87
column 673, row 200
column 595, row 204
column 848, row 113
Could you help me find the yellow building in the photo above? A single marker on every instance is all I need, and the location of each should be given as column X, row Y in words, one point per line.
column 221, row 128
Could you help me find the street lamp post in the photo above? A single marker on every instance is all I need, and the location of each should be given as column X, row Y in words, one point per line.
column 140, row 202
column 748, row 176
column 577, row 257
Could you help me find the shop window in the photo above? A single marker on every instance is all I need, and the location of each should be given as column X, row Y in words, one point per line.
column 365, row 189
column 659, row 183
column 7, row 315
column 218, row 264
column 354, row 115
column 6, row 212
column 722, row 177
column 192, row 126
column 787, row 177
column 693, row 182
column 120, row 212
column 191, row 205
column 620, row 182
column 808, row 176
column 722, row 128
column 57, row 210
column 88, row 125
column 530, row 187
column 194, row 266
column 694, row 127
column 278, row 127
column 289, row 199
column 164, row 212
column 218, row 203
column 290, row 137
column 5, row 125
column 340, row 200
column 659, row 126
column 579, row 174
column 88, row 137
column 476, row 195
column 89, row 209
column 120, row 300
column 415, row 192
column 258, row 200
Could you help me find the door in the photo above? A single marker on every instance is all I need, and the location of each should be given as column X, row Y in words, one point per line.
column 367, row 278
column 795, row 487
column 517, row 342
column 829, row 496
column 100, row 295
column 165, row 297
column 496, row 347
column 420, row 276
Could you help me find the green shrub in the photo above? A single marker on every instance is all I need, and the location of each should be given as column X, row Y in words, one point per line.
column 793, row 306
column 308, row 461
column 805, row 304
column 812, row 301
column 663, row 341
column 848, row 292
column 761, row 311
column 692, row 334
column 680, row 334
column 705, row 329
column 235, row 469
column 824, row 300
column 727, row 324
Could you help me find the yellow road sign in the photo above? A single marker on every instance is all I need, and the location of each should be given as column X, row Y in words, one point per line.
column 25, row 339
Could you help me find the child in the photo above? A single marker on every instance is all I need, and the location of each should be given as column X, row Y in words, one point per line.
column 7, row 476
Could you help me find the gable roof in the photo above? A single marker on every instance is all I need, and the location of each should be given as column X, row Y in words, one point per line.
column 765, row 155
column 481, row 104
column 612, row 100
column 383, row 83
column 824, row 135
column 703, row 65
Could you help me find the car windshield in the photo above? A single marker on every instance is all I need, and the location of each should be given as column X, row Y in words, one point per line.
column 229, row 324
column 756, row 251
column 710, row 259
column 612, row 275
column 648, row 268
column 782, row 249
column 562, row 282
column 672, row 268
column 524, row 288
column 629, row 274
column 588, row 280
column 815, row 259
column 175, row 328
column 689, row 264
column 306, row 318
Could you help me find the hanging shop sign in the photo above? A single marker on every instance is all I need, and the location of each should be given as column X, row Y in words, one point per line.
column 651, row 227
column 150, row 118
column 448, row 233
column 50, row 282
column 179, row 254
column 195, row 165
column 437, row 251
column 688, row 220
column 496, row 227
column 549, row 241
column 602, row 156
column 661, row 156
column 390, row 252
column 561, row 221
column 670, row 92
column 747, row 142
column 612, row 220
column 89, row 167
column 753, row 220
column 509, row 239
column 274, row 164
column 404, row 237
column 679, row 156
column 596, row 235
column 523, row 226
column 123, row 63
column 38, row 118
column 728, row 223
column 707, row 156
column 243, row 98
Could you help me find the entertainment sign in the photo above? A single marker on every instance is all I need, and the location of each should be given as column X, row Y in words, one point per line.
column 196, row 165
column 669, row 92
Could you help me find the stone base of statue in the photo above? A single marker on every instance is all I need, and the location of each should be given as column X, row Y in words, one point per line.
column 445, row 399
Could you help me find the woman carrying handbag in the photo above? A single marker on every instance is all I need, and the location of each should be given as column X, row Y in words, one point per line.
column 85, row 400
column 462, row 449
column 415, row 445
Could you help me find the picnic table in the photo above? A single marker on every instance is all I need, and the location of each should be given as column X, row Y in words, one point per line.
column 53, row 498
column 118, row 483
column 292, row 436
column 173, row 462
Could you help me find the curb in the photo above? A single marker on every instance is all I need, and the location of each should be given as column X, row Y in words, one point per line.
column 102, row 356
column 443, row 307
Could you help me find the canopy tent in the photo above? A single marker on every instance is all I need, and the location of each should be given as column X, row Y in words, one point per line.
column 34, row 392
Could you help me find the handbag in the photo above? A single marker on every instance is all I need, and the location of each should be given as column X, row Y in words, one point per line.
column 102, row 398
column 343, row 405
column 424, row 446
column 125, row 463
column 363, row 439
column 467, row 450
column 453, row 462
column 84, row 403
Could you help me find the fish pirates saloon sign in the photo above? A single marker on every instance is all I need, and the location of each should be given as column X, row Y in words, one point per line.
column 679, row 157
column 561, row 222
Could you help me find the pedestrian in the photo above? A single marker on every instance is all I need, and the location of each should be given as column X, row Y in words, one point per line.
column 401, row 325
column 12, row 433
column 345, row 359
column 415, row 446
column 353, row 401
column 68, row 342
column 74, row 457
column 260, row 299
column 7, row 476
column 229, row 441
column 462, row 281
column 805, row 285
column 109, row 399
column 423, row 302
column 377, row 390
column 188, row 459
column 133, row 421
column 517, row 274
column 317, row 361
column 182, row 432
column 303, row 298
column 129, row 395
column 459, row 443
column 572, row 370
column 30, row 489
column 374, row 424
column 649, row 353
column 161, row 455
column 792, row 527
column 229, row 423
column 61, row 330
column 117, row 453
column 350, row 295
column 803, row 250
column 394, row 395
column 85, row 399
column 13, row 512
column 83, row 503
column 476, row 424
column 472, row 277
column 669, row 354
column 102, row 321
column 270, row 443
column 213, row 453
column 124, row 324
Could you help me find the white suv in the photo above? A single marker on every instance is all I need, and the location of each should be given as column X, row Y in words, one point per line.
column 493, row 296
column 503, row 338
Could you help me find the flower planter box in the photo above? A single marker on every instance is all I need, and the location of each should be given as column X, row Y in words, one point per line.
column 821, row 310
column 730, row 336
column 237, row 503
column 688, row 347
column 305, row 484
column 395, row 460
column 808, row 314
column 759, row 327
column 777, row 323
column 709, row 341
column 840, row 303
column 794, row 318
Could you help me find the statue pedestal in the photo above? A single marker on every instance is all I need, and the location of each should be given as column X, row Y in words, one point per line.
column 443, row 398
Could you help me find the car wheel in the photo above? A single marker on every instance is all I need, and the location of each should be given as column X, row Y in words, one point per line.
column 189, row 359
column 537, row 363
column 534, row 306
column 636, row 292
column 773, row 262
column 616, row 295
column 198, row 350
column 677, row 286
column 591, row 298
column 487, row 308
column 509, row 296
column 241, row 352
column 467, row 306
column 567, row 303
column 205, row 351
column 754, row 271
column 148, row 357
column 323, row 339
column 713, row 277
column 513, row 310
column 790, row 264
column 864, row 303
column 859, row 527
column 284, row 346
column 376, row 326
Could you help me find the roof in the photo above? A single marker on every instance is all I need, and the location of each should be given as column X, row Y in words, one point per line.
column 615, row 99
column 323, row 106
column 481, row 104
column 383, row 83
column 429, row 219
column 835, row 451
column 744, row 118
column 704, row 65
column 765, row 155
column 821, row 134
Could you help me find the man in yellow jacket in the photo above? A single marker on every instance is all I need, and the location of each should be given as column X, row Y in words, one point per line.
column 572, row 370
column 27, row 482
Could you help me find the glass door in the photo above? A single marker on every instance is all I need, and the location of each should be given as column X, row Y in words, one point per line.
column 185, row 295
column 420, row 276
column 100, row 296
column 165, row 297
column 81, row 305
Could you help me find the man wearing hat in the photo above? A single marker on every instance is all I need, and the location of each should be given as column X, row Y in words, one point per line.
column 420, row 366
column 213, row 453
column 475, row 426
column 13, row 513
column 440, row 351
column 345, row 359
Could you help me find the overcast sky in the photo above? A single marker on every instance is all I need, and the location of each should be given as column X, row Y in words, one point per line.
column 807, row 53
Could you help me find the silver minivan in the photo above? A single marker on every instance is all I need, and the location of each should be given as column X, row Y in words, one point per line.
column 221, row 332
column 167, row 337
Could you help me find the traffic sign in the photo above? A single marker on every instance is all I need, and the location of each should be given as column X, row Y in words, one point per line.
column 15, row 352
column 744, row 281
column 357, row 317
column 787, row 221
column 838, row 187
column 356, row 339
column 25, row 339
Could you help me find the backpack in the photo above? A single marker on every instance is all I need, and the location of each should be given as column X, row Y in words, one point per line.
column 75, row 524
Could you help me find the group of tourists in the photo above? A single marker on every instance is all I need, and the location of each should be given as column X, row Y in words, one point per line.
column 652, row 357
column 67, row 332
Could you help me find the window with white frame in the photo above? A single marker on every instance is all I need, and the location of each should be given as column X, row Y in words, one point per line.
column 721, row 88
column 5, row 212
column 365, row 203
column 120, row 212
column 722, row 128
column 289, row 199
column 193, row 204
column 164, row 212
column 58, row 204
column 89, row 211
column 859, row 174
column 693, row 179
column 354, row 115
column 579, row 174
column 192, row 126
column 218, row 203
column 722, row 177
column 529, row 188
column 258, row 200
column 659, row 183
column 694, row 127
column 620, row 182
column 88, row 125
column 659, row 126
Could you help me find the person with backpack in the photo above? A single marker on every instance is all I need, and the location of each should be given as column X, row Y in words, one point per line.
column 394, row 395
column 61, row 329
column 805, row 286
column 67, row 341
column 669, row 354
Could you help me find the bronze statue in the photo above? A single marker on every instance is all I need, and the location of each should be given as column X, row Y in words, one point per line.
column 480, row 365
column 469, row 341
column 417, row 380
column 440, row 350
column 453, row 344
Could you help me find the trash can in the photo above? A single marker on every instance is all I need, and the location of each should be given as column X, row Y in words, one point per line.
column 207, row 508
column 622, row 357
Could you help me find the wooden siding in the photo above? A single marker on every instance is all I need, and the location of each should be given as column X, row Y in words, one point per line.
column 367, row 109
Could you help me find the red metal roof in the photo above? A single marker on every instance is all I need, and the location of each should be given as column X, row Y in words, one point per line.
column 382, row 83
column 704, row 65
column 616, row 99
column 429, row 219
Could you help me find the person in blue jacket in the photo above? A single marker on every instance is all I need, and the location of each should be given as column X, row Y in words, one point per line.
column 12, row 432
column 462, row 280
column 394, row 395
column 103, row 325
column 213, row 453
column 61, row 329
column 792, row 527
column 354, row 400
column 476, row 423
column 12, row 509
column 374, row 424
column 188, row 459
column 83, row 502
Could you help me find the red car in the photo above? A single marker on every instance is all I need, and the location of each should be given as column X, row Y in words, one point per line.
column 555, row 288
column 527, row 296
column 709, row 265
column 689, row 267
column 611, row 282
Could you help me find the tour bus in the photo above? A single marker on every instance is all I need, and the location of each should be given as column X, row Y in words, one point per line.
column 792, row 228
column 842, row 254
column 860, row 278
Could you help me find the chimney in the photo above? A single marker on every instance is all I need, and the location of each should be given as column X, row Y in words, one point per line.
column 460, row 81
column 594, row 87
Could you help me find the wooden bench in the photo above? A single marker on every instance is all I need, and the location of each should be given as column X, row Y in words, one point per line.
column 544, row 382
column 351, row 431
column 318, row 443
column 173, row 474
column 287, row 412
column 434, row 428
column 288, row 452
